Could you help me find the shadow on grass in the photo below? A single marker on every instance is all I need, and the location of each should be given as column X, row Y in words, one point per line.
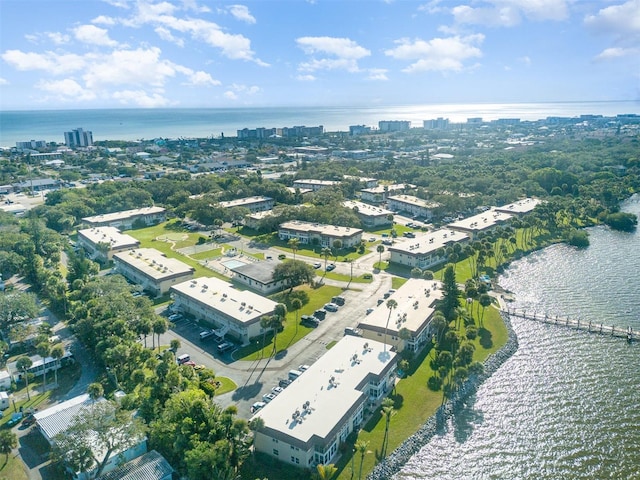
column 485, row 338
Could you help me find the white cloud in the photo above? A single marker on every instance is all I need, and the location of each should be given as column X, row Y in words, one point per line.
column 345, row 53
column 377, row 74
column 166, row 35
column 202, row 79
column 119, row 3
column 525, row 60
column 140, row 98
column 94, row 36
column 617, row 52
column 230, row 95
column 305, row 78
column 56, row 38
column 622, row 23
column 437, row 54
column 140, row 67
column 623, row 19
column 104, row 20
column 241, row 12
column 51, row 62
column 508, row 13
column 67, row 89
column 4, row 81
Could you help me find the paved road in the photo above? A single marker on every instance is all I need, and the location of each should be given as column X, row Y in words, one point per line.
column 255, row 378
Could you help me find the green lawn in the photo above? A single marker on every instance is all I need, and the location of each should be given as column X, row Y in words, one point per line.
column 345, row 278
column 293, row 331
column 397, row 282
column 227, row 386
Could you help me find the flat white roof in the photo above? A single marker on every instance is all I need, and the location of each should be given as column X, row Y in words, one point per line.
column 415, row 201
column 244, row 306
column 124, row 215
column 481, row 221
column 301, row 190
column 415, row 299
column 320, row 229
column 366, row 209
column 110, row 235
column 430, row 242
column 329, row 400
column 308, row 181
column 259, row 215
column 521, row 206
column 153, row 263
column 245, row 201
column 387, row 188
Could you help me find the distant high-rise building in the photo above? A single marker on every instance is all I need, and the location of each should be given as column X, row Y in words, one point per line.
column 359, row 130
column 437, row 124
column 394, row 125
column 78, row 138
column 31, row 144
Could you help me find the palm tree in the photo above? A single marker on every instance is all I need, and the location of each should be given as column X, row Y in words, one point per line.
column 361, row 446
column 380, row 250
column 325, row 252
column 159, row 327
column 388, row 411
column 326, row 472
column 265, row 324
column 294, row 244
column 57, row 352
column 277, row 319
column 485, row 301
column 44, row 349
column 391, row 305
column 23, row 364
column 95, row 391
column 296, row 305
column 145, row 328
column 8, row 441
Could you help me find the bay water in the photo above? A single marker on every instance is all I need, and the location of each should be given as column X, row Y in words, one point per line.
column 566, row 405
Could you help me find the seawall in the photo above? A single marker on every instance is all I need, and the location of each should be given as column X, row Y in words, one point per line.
column 401, row 455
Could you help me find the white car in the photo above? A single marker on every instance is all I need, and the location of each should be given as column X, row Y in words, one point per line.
column 174, row 317
column 277, row 390
column 267, row 397
column 302, row 368
column 257, row 406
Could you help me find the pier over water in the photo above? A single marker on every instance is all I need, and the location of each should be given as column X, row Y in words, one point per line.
column 590, row 326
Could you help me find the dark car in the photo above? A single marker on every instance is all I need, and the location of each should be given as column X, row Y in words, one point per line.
column 320, row 314
column 330, row 267
column 284, row 383
column 338, row 300
column 309, row 321
column 29, row 420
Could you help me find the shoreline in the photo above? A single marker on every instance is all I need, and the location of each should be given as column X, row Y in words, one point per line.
column 412, row 445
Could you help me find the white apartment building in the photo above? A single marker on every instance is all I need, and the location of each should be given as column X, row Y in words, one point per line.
column 124, row 220
column 254, row 204
column 101, row 243
column 415, row 206
column 151, row 269
column 370, row 215
column 380, row 193
column 314, row 184
column 319, row 234
column 482, row 222
column 424, row 251
column 230, row 311
column 416, row 301
column 521, row 207
column 306, row 423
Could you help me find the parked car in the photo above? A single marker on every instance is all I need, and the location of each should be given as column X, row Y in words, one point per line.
column 277, row 390
column 320, row 314
column 309, row 321
column 225, row 347
column 317, row 265
column 284, row 382
column 303, row 368
column 338, row 300
column 331, row 266
column 174, row 317
column 369, row 310
column 352, row 331
column 206, row 334
column 267, row 397
column 185, row 357
column 257, row 406
column 15, row 419
column 29, row 420
column 331, row 307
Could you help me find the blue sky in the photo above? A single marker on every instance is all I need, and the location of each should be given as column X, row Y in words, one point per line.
column 192, row 53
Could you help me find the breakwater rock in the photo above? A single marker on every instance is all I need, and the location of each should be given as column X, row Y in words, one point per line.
column 401, row 455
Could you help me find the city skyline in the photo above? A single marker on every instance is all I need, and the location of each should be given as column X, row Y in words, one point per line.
column 123, row 53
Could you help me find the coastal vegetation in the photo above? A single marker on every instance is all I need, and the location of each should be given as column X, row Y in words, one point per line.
column 581, row 179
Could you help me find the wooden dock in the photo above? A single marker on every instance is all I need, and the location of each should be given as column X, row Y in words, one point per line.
column 611, row 330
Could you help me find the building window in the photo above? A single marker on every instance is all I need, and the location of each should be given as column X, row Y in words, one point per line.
column 275, row 452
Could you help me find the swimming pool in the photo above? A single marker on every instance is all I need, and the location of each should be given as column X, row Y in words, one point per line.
column 233, row 264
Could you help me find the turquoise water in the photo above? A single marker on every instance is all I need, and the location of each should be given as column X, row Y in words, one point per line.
column 233, row 264
column 567, row 404
column 134, row 124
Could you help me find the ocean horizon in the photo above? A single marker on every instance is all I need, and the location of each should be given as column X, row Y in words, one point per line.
column 139, row 124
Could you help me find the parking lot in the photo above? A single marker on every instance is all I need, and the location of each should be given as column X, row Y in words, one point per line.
column 259, row 377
